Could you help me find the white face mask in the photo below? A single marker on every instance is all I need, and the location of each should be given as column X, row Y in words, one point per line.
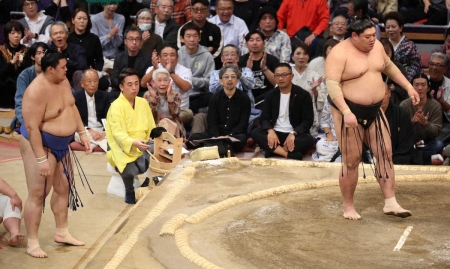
column 145, row 26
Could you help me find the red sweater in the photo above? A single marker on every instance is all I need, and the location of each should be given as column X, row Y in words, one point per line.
column 294, row 14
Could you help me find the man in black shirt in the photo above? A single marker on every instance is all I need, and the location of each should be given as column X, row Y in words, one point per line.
column 286, row 118
column 210, row 34
column 132, row 57
column 228, row 112
column 261, row 63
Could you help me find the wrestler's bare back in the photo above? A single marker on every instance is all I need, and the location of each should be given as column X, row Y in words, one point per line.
column 55, row 101
column 358, row 71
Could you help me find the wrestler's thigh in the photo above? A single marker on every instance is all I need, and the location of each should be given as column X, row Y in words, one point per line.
column 60, row 182
column 378, row 150
column 35, row 182
column 349, row 139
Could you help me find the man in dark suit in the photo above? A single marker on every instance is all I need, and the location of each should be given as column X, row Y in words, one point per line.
column 93, row 106
column 286, row 118
column 164, row 25
column 131, row 57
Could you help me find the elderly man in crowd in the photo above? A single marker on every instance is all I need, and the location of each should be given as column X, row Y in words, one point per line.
column 164, row 25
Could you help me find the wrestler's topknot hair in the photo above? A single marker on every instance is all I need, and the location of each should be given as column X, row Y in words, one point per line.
column 51, row 59
column 359, row 25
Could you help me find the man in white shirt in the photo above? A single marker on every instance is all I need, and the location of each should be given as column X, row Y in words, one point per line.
column 233, row 28
column 93, row 106
column 180, row 75
column 36, row 24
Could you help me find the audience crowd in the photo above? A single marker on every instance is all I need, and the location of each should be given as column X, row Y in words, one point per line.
column 251, row 70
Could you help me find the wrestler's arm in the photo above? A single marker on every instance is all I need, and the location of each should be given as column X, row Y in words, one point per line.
column 334, row 68
column 33, row 111
column 392, row 71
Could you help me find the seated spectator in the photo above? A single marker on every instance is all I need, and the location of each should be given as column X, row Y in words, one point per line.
column 397, row 93
column 109, row 26
column 81, row 35
column 233, row 28
column 435, row 12
column 128, row 126
column 36, row 24
column 164, row 25
column 440, row 90
column 228, row 112
column 165, row 102
column 246, row 10
column 426, row 117
column 10, row 208
column 181, row 76
column 93, row 106
column 150, row 40
column 211, row 35
column 327, row 146
column 129, row 8
column 400, row 127
column 230, row 56
column 445, row 49
column 74, row 53
column 318, row 64
column 34, row 54
column 310, row 81
column 200, row 61
column 286, row 118
column 277, row 41
column 314, row 15
column 405, row 51
column 181, row 10
column 338, row 28
column 11, row 62
column 262, row 65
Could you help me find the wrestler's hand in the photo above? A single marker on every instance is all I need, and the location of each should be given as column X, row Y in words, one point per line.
column 141, row 144
column 272, row 139
column 16, row 201
column 350, row 120
column 86, row 143
column 44, row 169
column 415, row 99
column 289, row 142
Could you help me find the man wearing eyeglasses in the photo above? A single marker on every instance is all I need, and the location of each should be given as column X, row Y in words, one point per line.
column 286, row 118
column 131, row 57
column 164, row 25
column 37, row 24
column 440, row 90
column 228, row 111
column 233, row 28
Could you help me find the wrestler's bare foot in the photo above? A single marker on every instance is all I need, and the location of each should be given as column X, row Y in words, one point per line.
column 397, row 211
column 15, row 240
column 350, row 213
column 68, row 240
column 34, row 249
column 391, row 207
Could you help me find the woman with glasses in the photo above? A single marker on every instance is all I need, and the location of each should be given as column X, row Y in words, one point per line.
column 11, row 62
column 308, row 80
column 150, row 40
column 405, row 51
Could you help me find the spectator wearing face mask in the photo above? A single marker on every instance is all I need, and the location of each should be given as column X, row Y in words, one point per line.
column 150, row 40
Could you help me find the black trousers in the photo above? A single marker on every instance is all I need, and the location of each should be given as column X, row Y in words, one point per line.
column 303, row 142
